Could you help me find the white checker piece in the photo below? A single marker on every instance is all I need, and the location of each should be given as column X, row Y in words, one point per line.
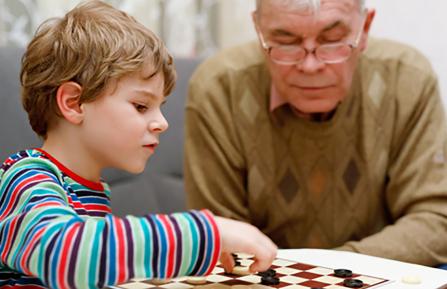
column 283, row 263
column 244, row 256
column 136, row 286
column 286, row 270
column 246, row 262
column 176, row 285
column 218, row 270
column 292, row 279
column 217, row 278
column 321, row 271
column 329, row 279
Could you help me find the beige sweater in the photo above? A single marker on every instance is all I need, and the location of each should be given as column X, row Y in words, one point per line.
column 373, row 179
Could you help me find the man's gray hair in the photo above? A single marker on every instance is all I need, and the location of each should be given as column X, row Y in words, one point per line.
column 312, row 5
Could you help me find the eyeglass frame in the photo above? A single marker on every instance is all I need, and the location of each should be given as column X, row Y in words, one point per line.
column 352, row 46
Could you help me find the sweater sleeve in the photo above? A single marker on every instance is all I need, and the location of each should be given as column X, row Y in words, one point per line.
column 42, row 236
column 214, row 167
column 416, row 191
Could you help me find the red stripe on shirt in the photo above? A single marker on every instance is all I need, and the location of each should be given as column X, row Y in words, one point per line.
column 217, row 241
column 171, row 245
column 121, row 250
column 37, row 179
column 65, row 256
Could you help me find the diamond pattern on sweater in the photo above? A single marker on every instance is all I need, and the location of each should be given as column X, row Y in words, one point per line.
column 317, row 182
column 351, row 176
column 256, row 182
column 288, row 186
column 376, row 89
column 249, row 107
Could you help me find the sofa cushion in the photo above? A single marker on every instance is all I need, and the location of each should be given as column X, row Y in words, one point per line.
column 16, row 133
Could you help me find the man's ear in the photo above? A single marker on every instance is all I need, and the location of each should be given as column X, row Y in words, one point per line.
column 68, row 95
column 255, row 19
column 366, row 28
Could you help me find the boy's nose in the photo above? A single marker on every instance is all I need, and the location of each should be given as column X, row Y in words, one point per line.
column 158, row 124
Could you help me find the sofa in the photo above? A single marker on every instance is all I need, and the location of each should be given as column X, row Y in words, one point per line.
column 159, row 189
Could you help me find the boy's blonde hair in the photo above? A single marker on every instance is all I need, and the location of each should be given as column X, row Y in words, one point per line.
column 92, row 44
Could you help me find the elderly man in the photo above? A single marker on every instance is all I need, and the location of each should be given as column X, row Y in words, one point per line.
column 318, row 141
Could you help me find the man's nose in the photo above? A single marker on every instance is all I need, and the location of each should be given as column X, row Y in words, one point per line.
column 310, row 64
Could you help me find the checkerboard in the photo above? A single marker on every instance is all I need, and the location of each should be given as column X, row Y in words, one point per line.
column 291, row 274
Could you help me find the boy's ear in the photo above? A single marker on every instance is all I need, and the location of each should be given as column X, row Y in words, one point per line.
column 67, row 96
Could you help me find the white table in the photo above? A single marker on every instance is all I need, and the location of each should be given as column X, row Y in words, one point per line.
column 431, row 278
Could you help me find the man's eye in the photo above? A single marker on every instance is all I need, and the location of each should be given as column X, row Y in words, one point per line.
column 140, row 107
column 333, row 37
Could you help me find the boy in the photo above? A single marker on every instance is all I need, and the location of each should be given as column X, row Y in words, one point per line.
column 92, row 85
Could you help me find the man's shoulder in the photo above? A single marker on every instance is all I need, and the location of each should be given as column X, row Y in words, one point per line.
column 397, row 55
column 235, row 60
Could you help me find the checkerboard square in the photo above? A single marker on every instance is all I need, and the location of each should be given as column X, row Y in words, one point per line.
column 321, row 271
column 292, row 279
column 369, row 280
column 329, row 279
column 287, row 271
column 282, row 263
column 217, row 278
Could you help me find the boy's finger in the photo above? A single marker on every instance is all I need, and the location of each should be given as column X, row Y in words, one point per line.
column 260, row 265
column 263, row 258
column 227, row 262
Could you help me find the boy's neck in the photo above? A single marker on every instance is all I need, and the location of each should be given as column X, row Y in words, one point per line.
column 72, row 157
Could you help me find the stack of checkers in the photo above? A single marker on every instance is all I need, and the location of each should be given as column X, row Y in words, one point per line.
column 284, row 274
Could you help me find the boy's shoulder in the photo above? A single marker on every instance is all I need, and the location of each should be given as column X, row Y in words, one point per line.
column 30, row 155
column 30, row 159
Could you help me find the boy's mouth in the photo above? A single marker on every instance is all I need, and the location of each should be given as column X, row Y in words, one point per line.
column 151, row 146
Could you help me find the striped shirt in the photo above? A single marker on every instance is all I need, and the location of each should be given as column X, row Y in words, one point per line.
column 57, row 231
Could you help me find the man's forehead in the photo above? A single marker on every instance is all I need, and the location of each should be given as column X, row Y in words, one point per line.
column 310, row 6
column 282, row 21
column 277, row 13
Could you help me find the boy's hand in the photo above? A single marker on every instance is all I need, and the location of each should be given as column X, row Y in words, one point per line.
column 240, row 237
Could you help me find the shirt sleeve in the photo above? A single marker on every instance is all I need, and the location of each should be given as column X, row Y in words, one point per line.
column 416, row 189
column 42, row 236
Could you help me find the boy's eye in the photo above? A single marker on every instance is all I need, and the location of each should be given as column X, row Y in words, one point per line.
column 140, row 107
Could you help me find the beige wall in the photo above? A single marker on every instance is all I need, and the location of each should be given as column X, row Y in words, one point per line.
column 235, row 22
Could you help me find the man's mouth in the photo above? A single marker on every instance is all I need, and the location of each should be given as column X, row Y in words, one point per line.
column 320, row 87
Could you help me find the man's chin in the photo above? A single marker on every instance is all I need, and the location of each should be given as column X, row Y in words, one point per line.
column 315, row 106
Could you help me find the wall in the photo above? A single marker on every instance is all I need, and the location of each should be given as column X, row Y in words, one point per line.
column 419, row 23
column 187, row 26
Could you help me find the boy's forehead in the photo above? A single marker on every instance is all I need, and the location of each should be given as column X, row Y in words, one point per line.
column 148, row 70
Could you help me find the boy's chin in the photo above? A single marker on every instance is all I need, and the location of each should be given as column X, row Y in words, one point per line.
column 135, row 170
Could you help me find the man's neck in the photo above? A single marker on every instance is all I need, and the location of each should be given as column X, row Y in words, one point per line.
column 316, row 116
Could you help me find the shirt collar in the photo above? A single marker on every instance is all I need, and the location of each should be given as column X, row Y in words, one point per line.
column 276, row 100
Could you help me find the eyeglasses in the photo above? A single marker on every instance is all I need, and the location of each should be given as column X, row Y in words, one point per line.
column 327, row 53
